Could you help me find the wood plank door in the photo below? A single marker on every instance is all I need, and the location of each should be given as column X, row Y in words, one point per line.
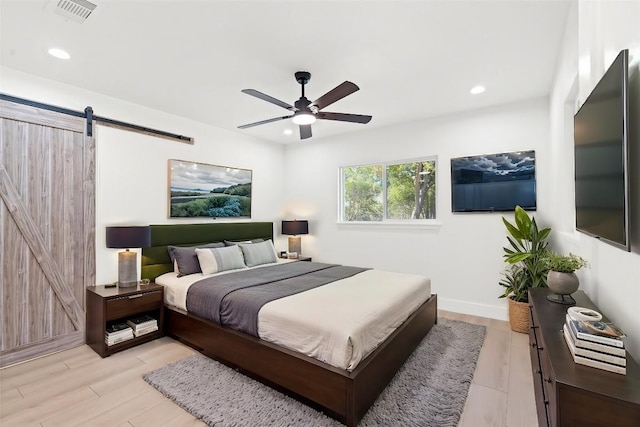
column 47, row 230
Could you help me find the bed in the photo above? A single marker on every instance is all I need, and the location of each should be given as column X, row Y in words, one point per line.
column 344, row 394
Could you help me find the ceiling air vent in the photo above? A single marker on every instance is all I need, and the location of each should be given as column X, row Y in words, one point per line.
column 75, row 10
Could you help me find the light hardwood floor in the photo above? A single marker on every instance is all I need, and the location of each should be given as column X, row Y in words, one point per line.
column 77, row 387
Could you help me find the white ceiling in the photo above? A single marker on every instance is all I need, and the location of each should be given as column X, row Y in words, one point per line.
column 411, row 59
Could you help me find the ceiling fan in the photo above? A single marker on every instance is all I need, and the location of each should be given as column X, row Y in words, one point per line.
column 306, row 112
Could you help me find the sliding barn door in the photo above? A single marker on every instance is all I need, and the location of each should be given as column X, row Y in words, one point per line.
column 47, row 229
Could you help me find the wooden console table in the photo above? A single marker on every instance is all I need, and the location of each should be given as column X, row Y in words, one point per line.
column 569, row 394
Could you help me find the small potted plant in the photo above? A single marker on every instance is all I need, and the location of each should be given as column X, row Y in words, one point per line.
column 516, row 284
column 561, row 278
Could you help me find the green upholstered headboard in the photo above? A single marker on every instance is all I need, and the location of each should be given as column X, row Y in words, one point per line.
column 155, row 259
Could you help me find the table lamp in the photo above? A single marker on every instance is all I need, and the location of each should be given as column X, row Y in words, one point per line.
column 294, row 229
column 126, row 238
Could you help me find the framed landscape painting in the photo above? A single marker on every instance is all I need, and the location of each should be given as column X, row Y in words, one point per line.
column 203, row 190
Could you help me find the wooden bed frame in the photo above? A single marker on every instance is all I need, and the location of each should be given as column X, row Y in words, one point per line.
column 345, row 396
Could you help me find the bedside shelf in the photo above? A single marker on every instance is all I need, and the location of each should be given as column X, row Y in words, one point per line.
column 106, row 306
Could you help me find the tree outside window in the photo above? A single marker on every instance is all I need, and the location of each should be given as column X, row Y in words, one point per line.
column 409, row 192
column 362, row 188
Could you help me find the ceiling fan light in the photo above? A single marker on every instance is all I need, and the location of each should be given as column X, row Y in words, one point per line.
column 303, row 118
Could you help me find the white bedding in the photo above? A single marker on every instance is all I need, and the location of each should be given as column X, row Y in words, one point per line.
column 339, row 323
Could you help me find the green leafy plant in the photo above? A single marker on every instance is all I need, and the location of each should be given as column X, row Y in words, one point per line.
column 563, row 263
column 528, row 247
column 515, row 282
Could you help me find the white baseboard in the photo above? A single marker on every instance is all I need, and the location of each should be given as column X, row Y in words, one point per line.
column 465, row 307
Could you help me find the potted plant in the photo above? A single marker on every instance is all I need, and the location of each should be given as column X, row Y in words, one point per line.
column 561, row 278
column 526, row 251
column 528, row 247
column 516, row 285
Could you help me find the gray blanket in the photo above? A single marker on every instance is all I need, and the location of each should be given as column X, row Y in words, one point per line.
column 234, row 299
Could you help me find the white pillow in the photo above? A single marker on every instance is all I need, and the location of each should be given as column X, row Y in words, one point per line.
column 214, row 260
column 258, row 253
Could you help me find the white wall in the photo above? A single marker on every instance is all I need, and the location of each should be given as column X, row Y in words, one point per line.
column 131, row 168
column 595, row 33
column 463, row 257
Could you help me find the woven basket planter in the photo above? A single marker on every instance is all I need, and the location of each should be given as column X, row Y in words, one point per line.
column 519, row 316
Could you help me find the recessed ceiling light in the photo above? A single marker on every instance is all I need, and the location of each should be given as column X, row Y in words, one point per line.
column 477, row 89
column 59, row 53
column 288, row 132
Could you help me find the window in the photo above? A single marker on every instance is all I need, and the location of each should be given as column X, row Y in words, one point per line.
column 391, row 191
column 362, row 188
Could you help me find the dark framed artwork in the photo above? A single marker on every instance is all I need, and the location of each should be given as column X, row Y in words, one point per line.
column 211, row 191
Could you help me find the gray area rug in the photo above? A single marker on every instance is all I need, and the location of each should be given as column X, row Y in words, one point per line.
column 429, row 390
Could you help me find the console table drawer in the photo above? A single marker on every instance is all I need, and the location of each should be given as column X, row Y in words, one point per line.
column 131, row 304
column 538, row 389
column 549, row 387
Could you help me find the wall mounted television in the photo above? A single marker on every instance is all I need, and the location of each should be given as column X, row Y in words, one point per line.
column 494, row 182
column 601, row 141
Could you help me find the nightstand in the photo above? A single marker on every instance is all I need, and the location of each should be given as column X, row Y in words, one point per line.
column 106, row 306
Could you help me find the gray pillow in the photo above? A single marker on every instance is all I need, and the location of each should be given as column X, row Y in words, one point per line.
column 185, row 258
column 237, row 242
column 214, row 260
column 258, row 253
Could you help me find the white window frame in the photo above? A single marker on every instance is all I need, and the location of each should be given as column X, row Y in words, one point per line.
column 388, row 223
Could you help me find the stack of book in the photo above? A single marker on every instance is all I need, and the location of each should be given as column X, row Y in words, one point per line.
column 117, row 332
column 596, row 344
column 142, row 325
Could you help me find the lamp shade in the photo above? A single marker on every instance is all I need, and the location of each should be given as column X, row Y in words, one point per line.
column 295, row 227
column 128, row 237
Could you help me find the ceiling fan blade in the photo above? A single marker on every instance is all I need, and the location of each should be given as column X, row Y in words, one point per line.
column 305, row 131
column 343, row 117
column 335, row 94
column 275, row 119
column 268, row 98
